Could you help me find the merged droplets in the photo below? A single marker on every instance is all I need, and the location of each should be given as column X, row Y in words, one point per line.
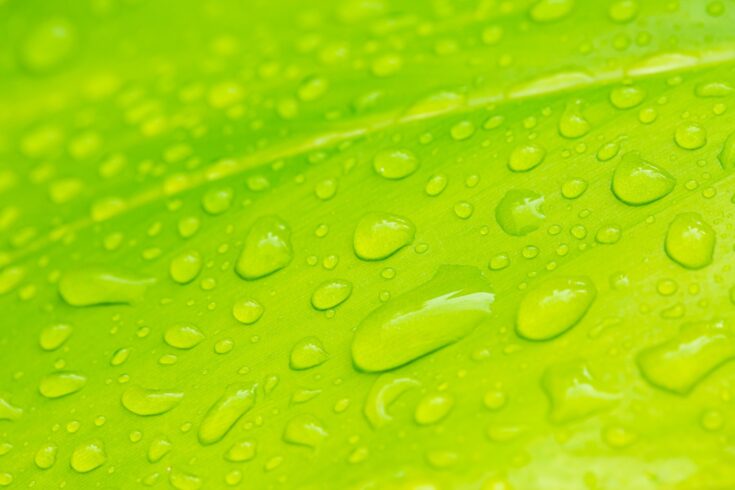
column 553, row 307
column 380, row 235
column 267, row 248
column 637, row 182
column 683, row 361
column 330, row 294
column 90, row 286
column 435, row 314
column 146, row 402
column 395, row 164
column 60, row 384
column 520, row 212
column 690, row 241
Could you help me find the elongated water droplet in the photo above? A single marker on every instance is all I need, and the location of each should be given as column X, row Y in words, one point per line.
column 386, row 389
column 380, row 235
column 435, row 314
column 185, row 267
column 520, row 212
column 304, row 430
column 225, row 412
column 88, row 456
column 159, row 447
column 683, row 361
column 690, row 241
column 637, row 182
column 395, row 164
column 554, row 307
column 267, row 249
column 432, row 408
column 141, row 401
column 575, row 392
column 54, row 336
column 330, row 294
column 183, row 336
column 308, row 353
column 60, row 384
column 98, row 286
column 180, row 480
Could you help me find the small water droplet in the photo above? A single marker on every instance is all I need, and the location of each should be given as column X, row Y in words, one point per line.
column 526, row 157
column 241, row 451
column 627, row 96
column 385, row 390
column 551, row 10
column 45, row 457
column 54, row 336
column 185, row 267
column 308, row 353
column 572, row 123
column 432, row 408
column 331, row 294
column 91, row 286
column 159, row 447
column 304, row 430
column 88, row 456
column 690, row 241
column 247, row 311
column 690, row 136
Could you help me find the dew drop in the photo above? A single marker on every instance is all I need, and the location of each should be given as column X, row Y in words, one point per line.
column 331, row 293
column 88, row 456
column 308, row 353
column 91, row 286
column 575, row 392
column 217, row 201
column 554, row 307
column 54, row 336
column 185, row 267
column 241, row 451
column 60, row 384
column 627, row 96
column 48, row 45
column 247, row 311
column 432, row 408
column 183, row 336
column 551, row 10
column 526, row 157
column 236, row 400
column 727, row 153
column 520, row 212
column 158, row 449
column 690, row 136
column 380, row 235
column 572, row 123
column 395, row 164
column 637, row 182
column 690, row 241
column 267, row 249
column 304, row 430
column 45, row 457
column 145, row 402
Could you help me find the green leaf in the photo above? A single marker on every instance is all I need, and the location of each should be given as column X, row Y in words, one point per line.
column 367, row 244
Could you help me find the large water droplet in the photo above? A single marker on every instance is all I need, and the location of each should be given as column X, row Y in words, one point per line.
column 91, row 286
column 690, row 241
column 520, row 212
column 435, row 314
column 183, row 336
column 395, row 164
column 304, row 430
column 267, row 248
column 308, row 353
column 575, row 392
column 637, row 182
column 141, row 401
column 60, row 384
column 225, row 412
column 683, row 361
column 241, row 451
column 88, row 456
column 554, row 307
column 380, row 235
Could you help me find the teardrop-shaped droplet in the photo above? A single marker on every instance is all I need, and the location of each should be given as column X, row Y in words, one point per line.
column 380, row 235
column 432, row 408
column 553, row 307
column 60, row 384
column 637, row 182
column 88, row 456
column 330, row 294
column 526, row 157
column 145, row 402
column 267, row 249
column 308, row 353
column 185, row 267
column 225, row 412
column 690, row 241
column 435, row 314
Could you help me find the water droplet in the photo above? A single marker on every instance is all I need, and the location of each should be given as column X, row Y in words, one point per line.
column 183, row 336
column 526, row 157
column 574, row 188
column 247, row 311
column 225, row 412
column 48, row 45
column 713, row 89
column 627, row 96
column 380, row 235
column 637, row 182
column 572, row 123
column 267, row 249
column 495, row 399
column 45, row 457
column 575, row 392
column 623, row 11
column 217, row 201
column 159, row 447
column 312, row 88
column 429, row 317
column 463, row 209
column 386, row 390
column 462, row 130
column 554, row 307
column 8, row 411
column 304, row 430
column 308, row 353
column 145, row 402
column 185, row 267
column 88, row 456
column 608, row 234
column 91, row 286
column 432, row 408
column 727, row 154
column 184, row 481
column 331, row 293
column 551, row 10
column 60, row 384
column 54, row 336
column 241, row 451
column 690, row 241
column 608, row 151
column 395, row 164
column 499, row 262
column 436, row 185
column 520, row 212
column 690, row 136
column 683, row 361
